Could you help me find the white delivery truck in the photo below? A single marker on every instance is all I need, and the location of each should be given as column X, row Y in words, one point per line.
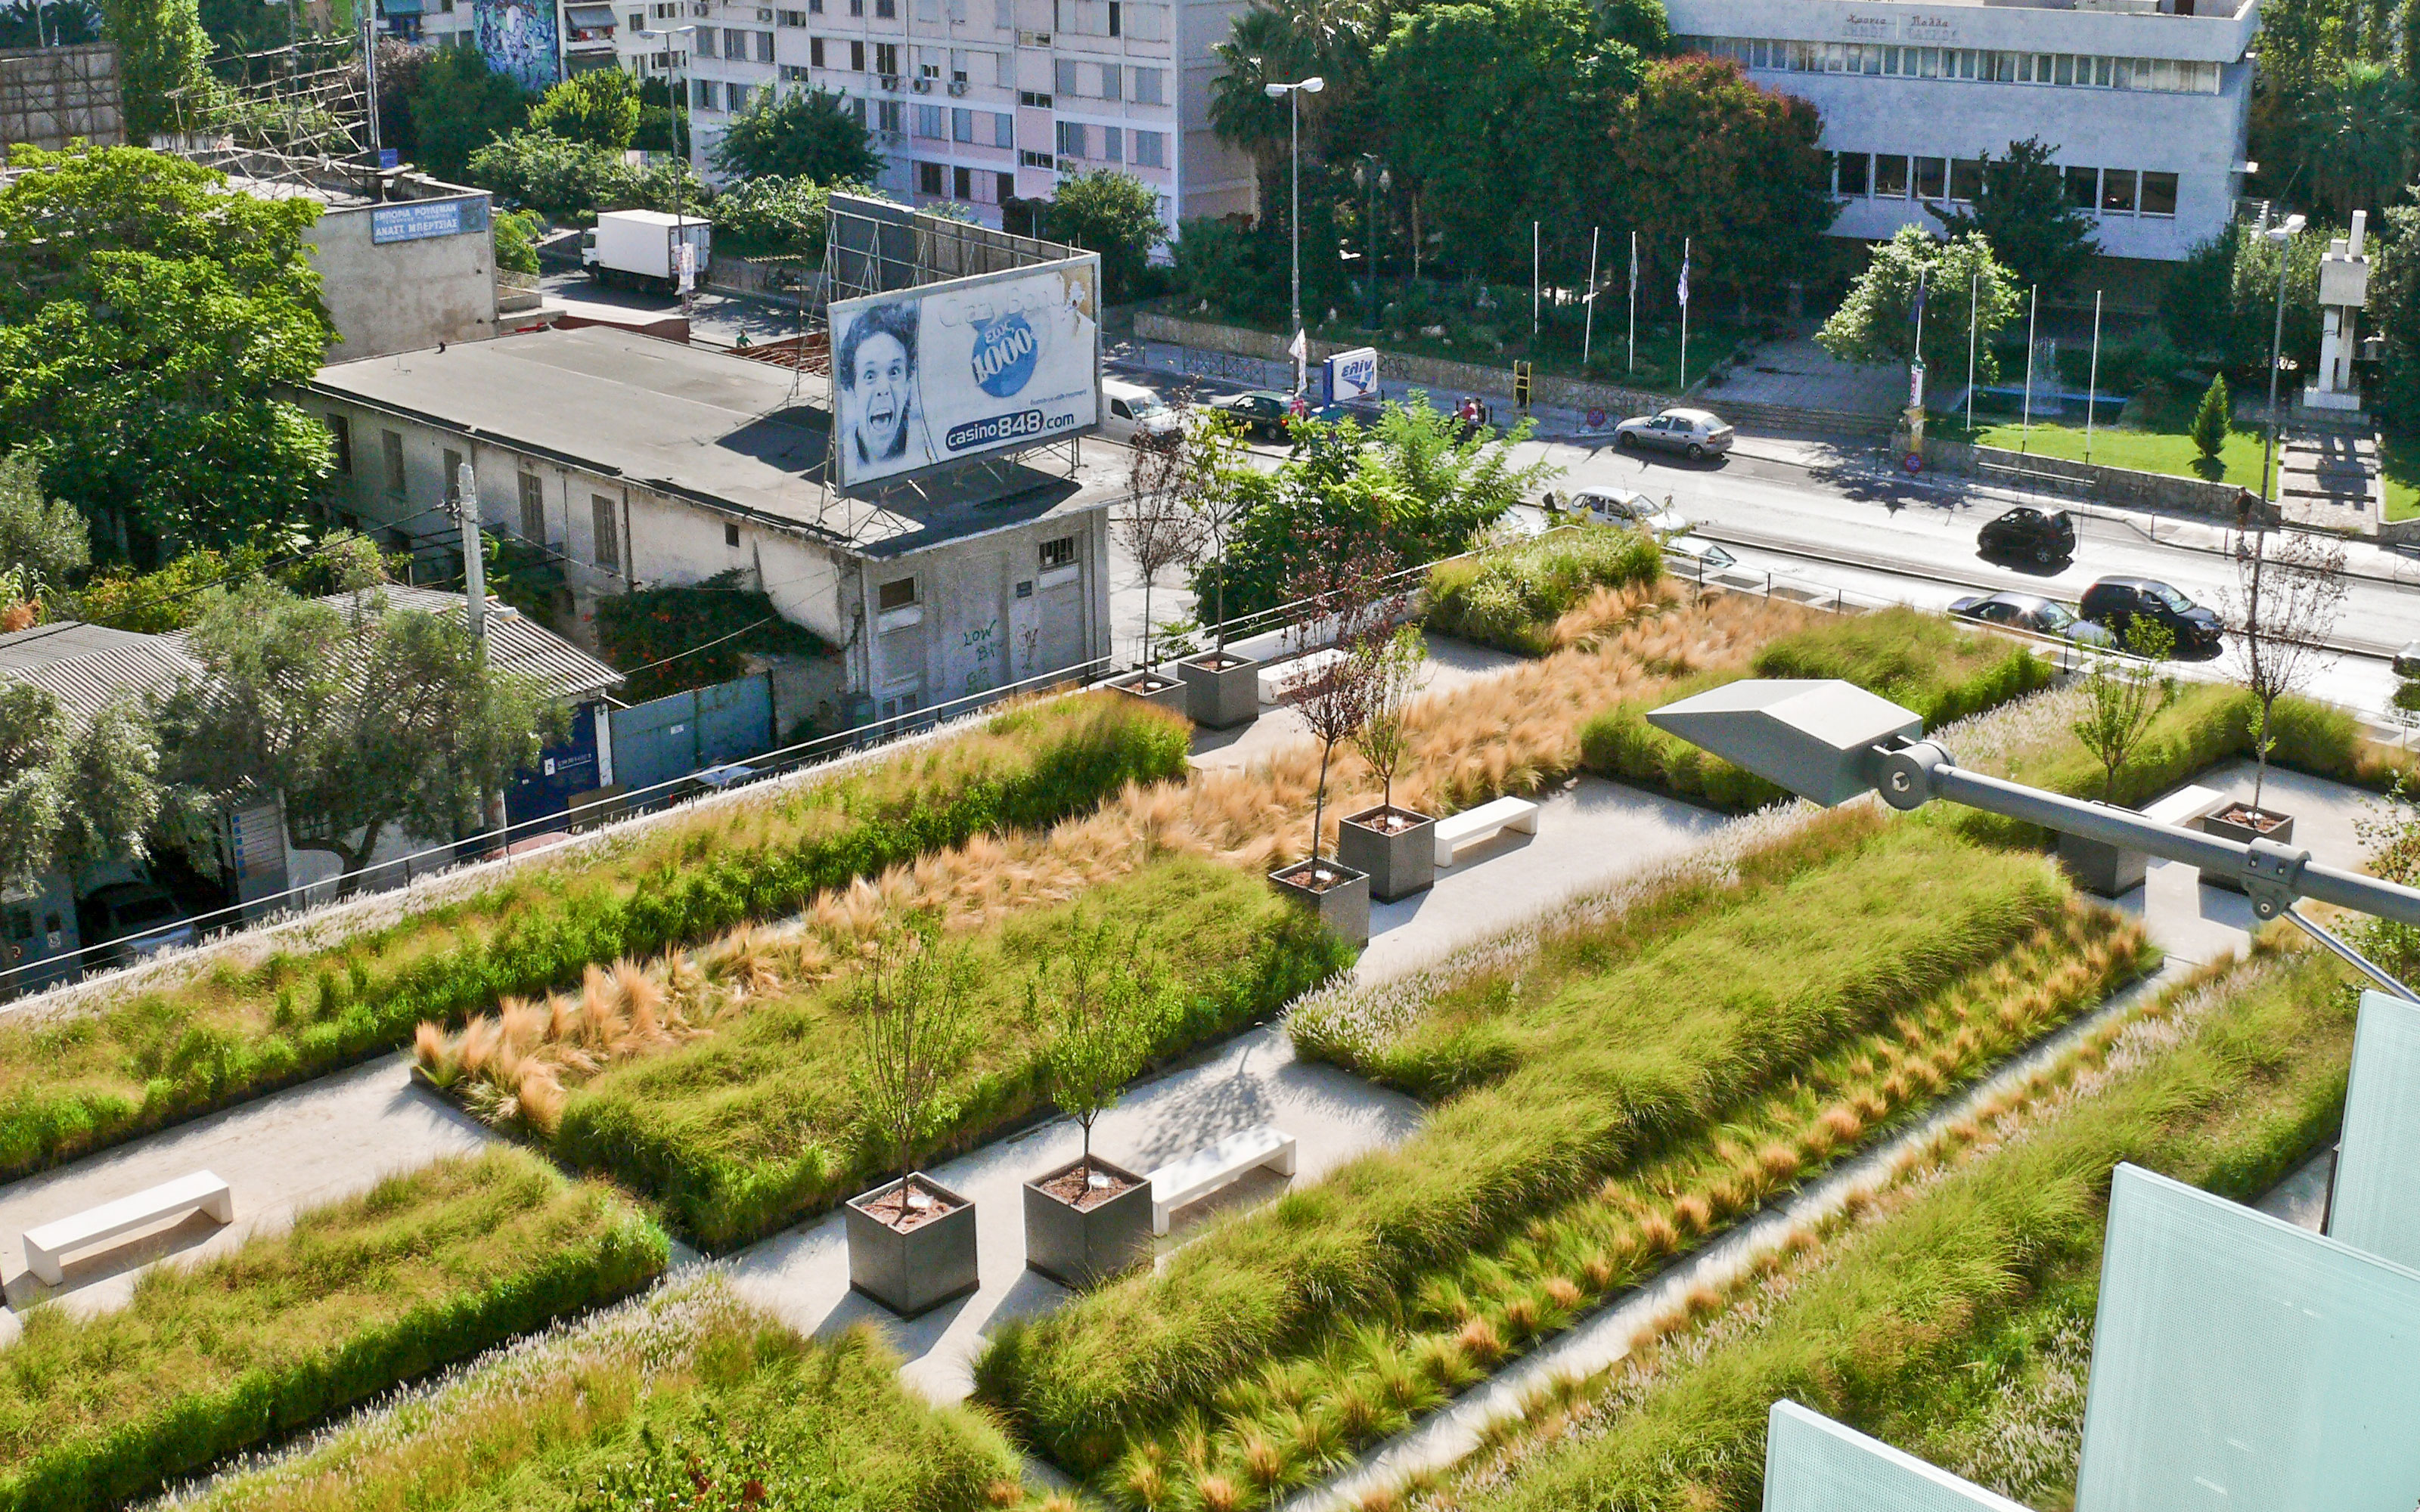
column 641, row 248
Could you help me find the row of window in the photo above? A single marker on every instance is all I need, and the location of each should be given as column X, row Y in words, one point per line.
column 1109, row 144
column 1110, row 80
column 736, row 44
column 1985, row 66
column 988, row 127
column 975, row 186
column 1079, row 17
column 1957, row 180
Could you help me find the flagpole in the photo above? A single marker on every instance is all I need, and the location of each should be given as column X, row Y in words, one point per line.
column 1587, row 331
column 1534, row 289
column 2025, row 424
column 1634, row 303
column 1974, row 290
column 2092, row 384
column 1684, row 317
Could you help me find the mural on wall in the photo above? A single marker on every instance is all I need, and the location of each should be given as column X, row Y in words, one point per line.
column 518, row 39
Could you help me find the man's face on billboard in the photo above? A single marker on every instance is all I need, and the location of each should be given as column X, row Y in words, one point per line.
column 878, row 375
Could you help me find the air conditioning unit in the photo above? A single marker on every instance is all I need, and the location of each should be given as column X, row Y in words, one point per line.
column 958, row 88
column 891, row 82
column 764, row 13
column 923, row 87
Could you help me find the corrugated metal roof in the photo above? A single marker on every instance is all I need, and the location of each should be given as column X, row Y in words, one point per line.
column 87, row 666
column 514, row 643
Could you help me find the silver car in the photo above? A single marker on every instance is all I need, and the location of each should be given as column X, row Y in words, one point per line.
column 1626, row 507
column 1693, row 433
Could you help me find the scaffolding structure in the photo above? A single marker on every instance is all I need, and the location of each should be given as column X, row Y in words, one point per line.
column 283, row 115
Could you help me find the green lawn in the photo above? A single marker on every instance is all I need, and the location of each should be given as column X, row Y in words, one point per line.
column 2146, row 451
column 2400, row 458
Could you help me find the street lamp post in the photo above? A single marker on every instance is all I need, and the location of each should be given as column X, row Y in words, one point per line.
column 680, row 209
column 1292, row 94
column 2283, row 236
column 1376, row 178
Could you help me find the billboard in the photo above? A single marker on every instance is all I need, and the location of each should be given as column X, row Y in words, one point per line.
column 520, row 40
column 926, row 376
column 1350, row 376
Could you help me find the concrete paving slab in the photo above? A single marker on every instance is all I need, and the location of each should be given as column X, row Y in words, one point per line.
column 803, row 1275
column 296, row 1149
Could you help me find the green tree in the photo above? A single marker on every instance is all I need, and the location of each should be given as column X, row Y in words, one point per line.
column 2355, row 138
column 72, row 797
column 458, row 105
column 2209, row 421
column 160, row 50
column 1875, row 321
column 2220, row 302
column 43, row 541
column 803, row 134
column 664, row 119
column 48, row 24
column 150, row 323
column 777, row 215
column 1385, row 738
column 558, row 177
column 2024, row 212
column 1105, row 1004
column 1114, row 214
column 909, row 1004
column 2123, row 697
column 364, row 719
column 516, row 234
column 1700, row 151
column 599, row 107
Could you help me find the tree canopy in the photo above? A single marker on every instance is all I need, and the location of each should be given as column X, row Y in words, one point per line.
column 43, row 541
column 1876, row 321
column 1114, row 214
column 69, row 796
column 160, row 50
column 802, row 134
column 599, row 107
column 2023, row 210
column 458, row 105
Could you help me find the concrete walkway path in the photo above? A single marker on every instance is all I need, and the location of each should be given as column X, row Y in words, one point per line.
column 315, row 1144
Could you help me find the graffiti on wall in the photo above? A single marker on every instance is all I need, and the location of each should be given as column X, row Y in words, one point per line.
column 518, row 39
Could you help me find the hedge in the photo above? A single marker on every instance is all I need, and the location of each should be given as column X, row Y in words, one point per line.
column 1511, row 598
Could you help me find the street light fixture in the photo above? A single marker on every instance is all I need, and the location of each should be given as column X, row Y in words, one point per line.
column 1830, row 741
column 680, row 214
column 2284, row 236
column 1292, row 94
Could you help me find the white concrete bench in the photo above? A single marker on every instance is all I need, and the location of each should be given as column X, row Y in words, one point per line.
column 2186, row 806
column 1488, row 819
column 1207, row 1170
column 1282, row 678
column 46, row 1244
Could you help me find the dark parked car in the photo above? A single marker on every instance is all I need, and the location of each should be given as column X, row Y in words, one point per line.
column 2031, row 612
column 108, row 916
column 2042, row 536
column 2118, row 602
column 1261, row 411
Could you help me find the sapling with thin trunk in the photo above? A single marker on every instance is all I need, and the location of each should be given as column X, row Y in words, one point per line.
column 1342, row 589
column 1107, row 1004
column 2123, row 698
column 1204, row 467
column 1155, row 526
column 1386, row 736
column 2286, row 600
column 910, row 1006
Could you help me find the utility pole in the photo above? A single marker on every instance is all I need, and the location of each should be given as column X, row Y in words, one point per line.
column 1587, row 328
column 475, row 566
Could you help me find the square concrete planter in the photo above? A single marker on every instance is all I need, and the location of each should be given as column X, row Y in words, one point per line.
column 1400, row 862
column 2243, row 834
column 1341, row 902
column 1077, row 1246
column 1153, row 688
column 916, row 1270
column 1222, row 689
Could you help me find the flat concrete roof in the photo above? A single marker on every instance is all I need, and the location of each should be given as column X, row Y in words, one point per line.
column 730, row 435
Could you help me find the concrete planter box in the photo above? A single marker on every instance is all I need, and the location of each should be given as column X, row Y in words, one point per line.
column 917, row 1271
column 1400, row 862
column 1077, row 1247
column 1221, row 689
column 2098, row 867
column 1152, row 687
column 2243, row 835
column 1343, row 906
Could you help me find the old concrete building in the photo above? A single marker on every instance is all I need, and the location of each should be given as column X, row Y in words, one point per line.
column 645, row 463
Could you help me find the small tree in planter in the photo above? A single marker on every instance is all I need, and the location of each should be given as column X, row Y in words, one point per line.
column 1394, row 845
column 1207, row 470
column 2122, row 698
column 911, row 1243
column 1156, row 527
column 2286, row 599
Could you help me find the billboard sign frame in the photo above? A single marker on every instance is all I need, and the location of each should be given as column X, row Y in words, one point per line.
column 930, row 378
column 1345, row 376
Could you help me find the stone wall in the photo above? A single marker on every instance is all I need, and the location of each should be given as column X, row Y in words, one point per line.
column 2217, row 502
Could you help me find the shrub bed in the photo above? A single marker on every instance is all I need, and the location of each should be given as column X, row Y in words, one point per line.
column 1580, row 1079
column 74, row 1083
column 1511, row 598
column 357, row 1297
column 1937, row 1317
column 753, row 1126
column 593, row 1417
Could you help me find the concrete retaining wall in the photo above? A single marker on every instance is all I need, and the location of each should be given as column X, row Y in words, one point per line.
column 2217, row 502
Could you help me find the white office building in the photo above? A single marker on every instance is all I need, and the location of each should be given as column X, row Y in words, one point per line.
column 2145, row 101
column 972, row 103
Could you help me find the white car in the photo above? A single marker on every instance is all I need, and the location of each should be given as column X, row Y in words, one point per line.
column 1693, row 433
column 1134, row 415
column 1632, row 509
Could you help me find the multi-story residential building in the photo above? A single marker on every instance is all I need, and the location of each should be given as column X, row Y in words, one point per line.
column 2145, row 101
column 975, row 103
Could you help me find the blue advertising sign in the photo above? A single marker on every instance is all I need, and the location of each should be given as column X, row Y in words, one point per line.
column 1349, row 376
column 419, row 219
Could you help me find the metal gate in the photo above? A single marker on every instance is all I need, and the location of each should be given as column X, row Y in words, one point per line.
column 669, row 738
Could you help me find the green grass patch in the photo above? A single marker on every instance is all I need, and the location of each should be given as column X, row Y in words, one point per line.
column 1925, row 662
column 1509, row 599
column 616, row 1410
column 1942, row 1317
column 754, row 1125
column 1575, row 1078
column 358, row 1296
column 75, row 1083
column 2156, row 437
column 2398, row 463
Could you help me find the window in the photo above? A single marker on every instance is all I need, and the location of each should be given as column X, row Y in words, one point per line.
column 857, row 57
column 1113, row 145
column 2159, row 194
column 2083, row 186
column 737, row 93
column 340, row 435
column 886, row 57
column 700, row 93
column 928, row 179
column 2065, row 64
column 792, row 73
column 638, row 21
column 1059, row 553
column 454, row 475
column 789, row 18
column 1117, row 18
column 1931, row 178
column 1109, row 80
column 962, row 125
column 1965, row 180
column 896, row 594
column 1855, row 177
column 392, row 444
column 1004, row 129
column 1071, row 139
column 1003, row 188
column 532, row 508
column 1037, row 160
column 731, row 535
column 705, row 41
column 1151, row 149
column 929, row 72
column 886, row 10
column 608, row 553
column 814, row 51
column 962, row 183
column 1066, row 70
column 891, row 115
column 857, row 7
column 2117, row 192
column 928, row 122
column 734, row 46
column 1032, row 100
column 1147, row 83
column 1890, row 175
column 764, row 46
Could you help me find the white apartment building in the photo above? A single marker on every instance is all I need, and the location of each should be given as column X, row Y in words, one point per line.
column 974, row 103
column 2145, row 101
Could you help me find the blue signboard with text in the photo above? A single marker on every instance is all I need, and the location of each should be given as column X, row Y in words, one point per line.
column 419, row 219
column 1350, row 376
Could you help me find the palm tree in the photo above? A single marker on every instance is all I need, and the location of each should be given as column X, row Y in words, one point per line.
column 2358, row 138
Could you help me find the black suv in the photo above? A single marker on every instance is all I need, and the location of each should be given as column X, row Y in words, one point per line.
column 2044, row 535
column 2115, row 602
